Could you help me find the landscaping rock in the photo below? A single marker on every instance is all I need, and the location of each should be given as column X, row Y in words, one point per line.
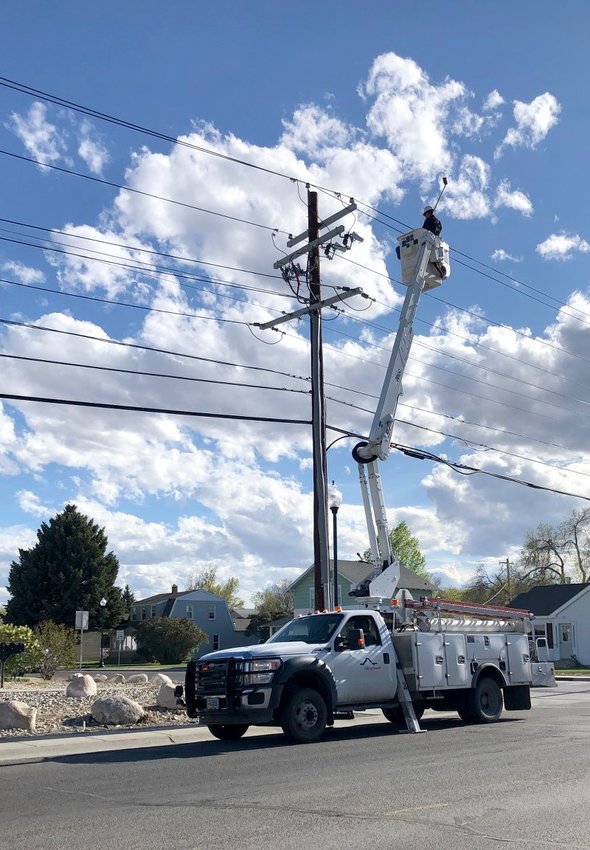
column 17, row 715
column 82, row 686
column 99, row 677
column 138, row 679
column 115, row 711
column 161, row 679
column 166, row 698
column 117, row 679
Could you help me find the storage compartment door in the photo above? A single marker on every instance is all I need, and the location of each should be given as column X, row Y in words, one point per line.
column 430, row 660
column 458, row 672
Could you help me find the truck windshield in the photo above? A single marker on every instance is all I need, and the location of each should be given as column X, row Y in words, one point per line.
column 317, row 628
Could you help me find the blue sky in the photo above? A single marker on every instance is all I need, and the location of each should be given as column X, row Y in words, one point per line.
column 377, row 106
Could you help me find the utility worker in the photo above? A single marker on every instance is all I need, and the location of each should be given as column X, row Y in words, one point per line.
column 431, row 222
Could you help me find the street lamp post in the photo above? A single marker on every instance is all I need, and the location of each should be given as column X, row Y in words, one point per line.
column 334, row 502
column 103, row 605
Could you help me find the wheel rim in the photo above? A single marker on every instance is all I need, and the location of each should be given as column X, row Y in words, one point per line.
column 307, row 715
column 489, row 700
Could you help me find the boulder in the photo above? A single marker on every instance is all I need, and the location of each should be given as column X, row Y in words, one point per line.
column 82, row 686
column 166, row 698
column 116, row 711
column 99, row 677
column 161, row 679
column 117, row 679
column 138, row 679
column 17, row 715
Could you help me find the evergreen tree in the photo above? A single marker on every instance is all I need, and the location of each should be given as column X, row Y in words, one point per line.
column 67, row 570
column 128, row 600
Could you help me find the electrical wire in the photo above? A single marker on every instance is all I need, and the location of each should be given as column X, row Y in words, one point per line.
column 167, row 411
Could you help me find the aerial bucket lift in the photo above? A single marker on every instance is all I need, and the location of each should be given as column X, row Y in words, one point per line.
column 425, row 264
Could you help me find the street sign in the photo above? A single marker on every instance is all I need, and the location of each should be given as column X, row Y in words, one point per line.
column 82, row 620
column 120, row 635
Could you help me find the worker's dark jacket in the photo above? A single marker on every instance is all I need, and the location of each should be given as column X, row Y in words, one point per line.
column 433, row 224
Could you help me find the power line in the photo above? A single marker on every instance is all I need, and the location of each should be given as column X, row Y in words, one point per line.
column 463, row 469
column 163, row 410
column 153, row 349
column 144, row 374
column 114, row 185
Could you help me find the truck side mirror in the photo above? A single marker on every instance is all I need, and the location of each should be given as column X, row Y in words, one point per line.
column 340, row 644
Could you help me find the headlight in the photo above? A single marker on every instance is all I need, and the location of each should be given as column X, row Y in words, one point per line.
column 261, row 670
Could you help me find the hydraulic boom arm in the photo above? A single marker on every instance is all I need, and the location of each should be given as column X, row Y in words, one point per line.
column 425, row 264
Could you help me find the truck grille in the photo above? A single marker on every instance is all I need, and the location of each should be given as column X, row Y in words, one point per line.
column 219, row 677
column 212, row 677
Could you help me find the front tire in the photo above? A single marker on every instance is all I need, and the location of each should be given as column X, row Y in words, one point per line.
column 304, row 716
column 228, row 732
column 484, row 703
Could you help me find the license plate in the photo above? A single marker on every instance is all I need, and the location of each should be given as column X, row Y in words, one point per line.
column 212, row 702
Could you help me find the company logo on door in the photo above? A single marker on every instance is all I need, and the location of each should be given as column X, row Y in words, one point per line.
column 370, row 665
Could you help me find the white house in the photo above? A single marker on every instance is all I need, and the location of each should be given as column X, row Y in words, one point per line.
column 562, row 615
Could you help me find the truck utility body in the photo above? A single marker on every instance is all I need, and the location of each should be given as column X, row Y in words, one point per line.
column 391, row 652
column 323, row 665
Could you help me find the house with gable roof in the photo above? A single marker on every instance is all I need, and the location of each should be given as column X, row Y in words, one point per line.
column 562, row 617
column 350, row 573
column 206, row 610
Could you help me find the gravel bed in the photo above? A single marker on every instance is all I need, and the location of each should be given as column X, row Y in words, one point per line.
column 60, row 715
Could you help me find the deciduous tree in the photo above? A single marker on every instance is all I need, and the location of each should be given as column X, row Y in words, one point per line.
column 207, row 579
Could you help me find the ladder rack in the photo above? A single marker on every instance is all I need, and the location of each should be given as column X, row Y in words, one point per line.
column 444, row 606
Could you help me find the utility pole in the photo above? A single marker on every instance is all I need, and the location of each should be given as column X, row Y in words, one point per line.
column 321, row 556
column 506, row 564
column 313, row 309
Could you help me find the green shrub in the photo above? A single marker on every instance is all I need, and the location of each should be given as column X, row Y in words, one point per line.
column 170, row 640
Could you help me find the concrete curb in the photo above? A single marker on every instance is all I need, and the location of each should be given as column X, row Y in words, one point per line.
column 44, row 748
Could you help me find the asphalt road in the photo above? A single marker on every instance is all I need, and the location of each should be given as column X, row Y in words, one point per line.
column 523, row 782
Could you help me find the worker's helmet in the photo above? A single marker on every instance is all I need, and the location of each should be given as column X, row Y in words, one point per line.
column 427, row 210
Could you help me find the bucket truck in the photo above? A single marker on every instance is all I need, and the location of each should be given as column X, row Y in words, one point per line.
column 389, row 651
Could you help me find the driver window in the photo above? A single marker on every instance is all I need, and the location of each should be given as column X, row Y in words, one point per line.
column 369, row 627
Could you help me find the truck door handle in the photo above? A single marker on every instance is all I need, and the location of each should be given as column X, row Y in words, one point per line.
column 386, row 657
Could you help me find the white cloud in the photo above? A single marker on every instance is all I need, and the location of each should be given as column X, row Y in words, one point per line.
column 561, row 246
column 533, row 122
column 468, row 193
column 500, row 256
column 412, row 114
column 41, row 138
column 23, row 273
column 493, row 101
column 513, row 199
column 91, row 149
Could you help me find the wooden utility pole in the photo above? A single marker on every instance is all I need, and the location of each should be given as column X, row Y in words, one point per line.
column 318, row 406
column 314, row 310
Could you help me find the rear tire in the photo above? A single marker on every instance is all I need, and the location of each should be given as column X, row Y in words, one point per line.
column 228, row 732
column 304, row 716
column 484, row 703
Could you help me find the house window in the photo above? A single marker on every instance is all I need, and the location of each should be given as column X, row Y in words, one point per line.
column 143, row 612
column 211, row 612
column 311, row 598
column 189, row 612
column 134, row 613
column 215, row 642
